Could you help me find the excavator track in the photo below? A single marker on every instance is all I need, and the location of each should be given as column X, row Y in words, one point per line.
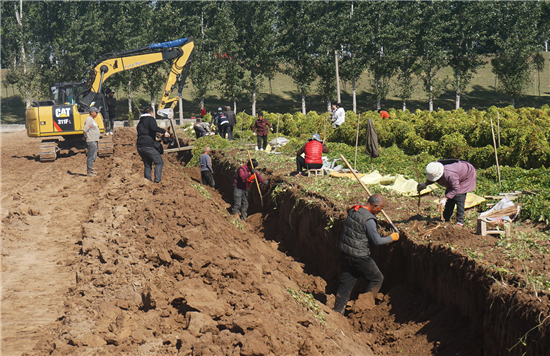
column 48, row 150
column 105, row 146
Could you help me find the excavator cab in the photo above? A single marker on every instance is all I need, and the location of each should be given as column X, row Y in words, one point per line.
column 65, row 93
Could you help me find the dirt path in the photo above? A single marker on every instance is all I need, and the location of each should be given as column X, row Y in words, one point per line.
column 43, row 208
column 116, row 264
column 119, row 265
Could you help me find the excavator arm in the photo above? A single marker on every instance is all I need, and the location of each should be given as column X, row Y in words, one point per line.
column 113, row 63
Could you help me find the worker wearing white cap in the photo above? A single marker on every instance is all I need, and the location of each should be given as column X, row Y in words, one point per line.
column 458, row 177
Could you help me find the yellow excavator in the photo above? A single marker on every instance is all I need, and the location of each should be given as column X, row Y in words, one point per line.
column 65, row 113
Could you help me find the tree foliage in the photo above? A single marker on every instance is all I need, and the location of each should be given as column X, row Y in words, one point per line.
column 240, row 44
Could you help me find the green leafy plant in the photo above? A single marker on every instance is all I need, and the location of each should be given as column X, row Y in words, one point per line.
column 237, row 222
column 202, row 190
column 307, row 300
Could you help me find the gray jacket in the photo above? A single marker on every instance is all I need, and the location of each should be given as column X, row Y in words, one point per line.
column 91, row 130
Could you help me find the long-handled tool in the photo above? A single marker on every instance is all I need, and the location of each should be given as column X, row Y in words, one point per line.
column 418, row 180
column 324, row 129
column 255, row 178
column 368, row 192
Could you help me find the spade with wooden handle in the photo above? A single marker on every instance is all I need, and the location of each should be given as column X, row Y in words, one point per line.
column 367, row 190
column 256, row 179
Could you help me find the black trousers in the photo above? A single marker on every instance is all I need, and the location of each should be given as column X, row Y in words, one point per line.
column 150, row 155
column 207, row 178
column 460, row 201
column 223, row 130
column 259, row 141
column 301, row 164
column 351, row 268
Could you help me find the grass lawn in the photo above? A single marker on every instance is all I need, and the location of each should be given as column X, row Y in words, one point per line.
column 281, row 96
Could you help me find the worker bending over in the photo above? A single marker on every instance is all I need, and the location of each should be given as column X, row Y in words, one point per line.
column 313, row 150
column 359, row 235
column 458, row 177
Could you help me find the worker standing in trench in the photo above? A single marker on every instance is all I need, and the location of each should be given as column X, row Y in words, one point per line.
column 360, row 232
column 245, row 175
column 458, row 177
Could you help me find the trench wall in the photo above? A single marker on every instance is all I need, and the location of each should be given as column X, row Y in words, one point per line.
column 502, row 314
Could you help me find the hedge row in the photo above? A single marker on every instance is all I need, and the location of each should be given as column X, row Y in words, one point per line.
column 444, row 134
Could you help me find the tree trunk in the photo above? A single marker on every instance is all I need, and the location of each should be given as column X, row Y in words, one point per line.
column 378, row 86
column 513, row 102
column 457, row 99
column 337, row 76
column 354, row 93
column 254, row 102
column 431, row 97
column 153, row 102
column 329, row 106
column 404, row 105
column 303, row 102
column 202, row 102
column 129, row 96
column 19, row 17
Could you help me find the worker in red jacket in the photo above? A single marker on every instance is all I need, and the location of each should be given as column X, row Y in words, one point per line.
column 260, row 129
column 313, row 150
column 384, row 114
column 245, row 176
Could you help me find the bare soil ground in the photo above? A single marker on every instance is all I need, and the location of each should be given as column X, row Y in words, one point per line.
column 118, row 265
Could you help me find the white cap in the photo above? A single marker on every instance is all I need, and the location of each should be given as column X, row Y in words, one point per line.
column 434, row 171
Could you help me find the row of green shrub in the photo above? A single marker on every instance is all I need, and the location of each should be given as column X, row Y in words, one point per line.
column 413, row 140
column 522, row 133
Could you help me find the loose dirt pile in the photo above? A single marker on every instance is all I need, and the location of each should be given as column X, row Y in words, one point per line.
column 116, row 264
column 147, row 269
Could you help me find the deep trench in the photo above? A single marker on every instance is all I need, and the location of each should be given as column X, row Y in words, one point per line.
column 502, row 321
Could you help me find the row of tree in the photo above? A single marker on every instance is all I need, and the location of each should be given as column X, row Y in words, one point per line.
column 240, row 45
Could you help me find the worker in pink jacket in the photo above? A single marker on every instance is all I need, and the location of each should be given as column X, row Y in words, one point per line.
column 458, row 177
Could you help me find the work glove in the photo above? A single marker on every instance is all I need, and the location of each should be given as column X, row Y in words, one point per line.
column 254, row 133
column 395, row 236
column 420, row 187
column 442, row 202
column 271, row 128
